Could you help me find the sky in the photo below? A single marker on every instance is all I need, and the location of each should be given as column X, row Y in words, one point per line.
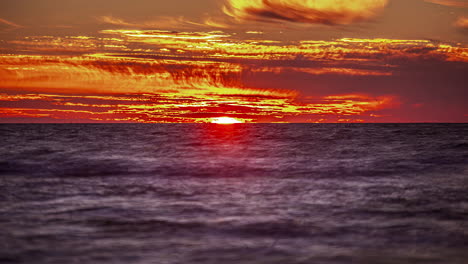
column 276, row 61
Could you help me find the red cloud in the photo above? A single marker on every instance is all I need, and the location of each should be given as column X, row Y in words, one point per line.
column 462, row 22
column 328, row 12
column 455, row 3
column 9, row 24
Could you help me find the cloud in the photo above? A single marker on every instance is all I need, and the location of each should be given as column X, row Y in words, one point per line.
column 168, row 22
column 462, row 22
column 191, row 76
column 455, row 3
column 161, row 22
column 162, row 108
column 9, row 24
column 106, row 74
column 328, row 12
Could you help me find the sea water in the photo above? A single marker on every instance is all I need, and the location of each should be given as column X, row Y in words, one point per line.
column 242, row 193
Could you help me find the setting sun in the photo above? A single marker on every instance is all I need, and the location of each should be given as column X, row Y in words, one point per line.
column 226, row 120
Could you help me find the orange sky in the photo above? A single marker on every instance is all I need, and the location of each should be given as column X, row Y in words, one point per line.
column 285, row 61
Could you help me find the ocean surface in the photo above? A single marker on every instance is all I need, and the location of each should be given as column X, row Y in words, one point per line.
column 243, row 193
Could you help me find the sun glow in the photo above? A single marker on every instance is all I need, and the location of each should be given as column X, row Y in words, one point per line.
column 226, row 120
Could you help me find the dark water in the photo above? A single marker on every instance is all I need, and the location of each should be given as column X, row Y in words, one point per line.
column 266, row 193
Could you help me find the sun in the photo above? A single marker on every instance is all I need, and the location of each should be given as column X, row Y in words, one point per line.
column 226, row 120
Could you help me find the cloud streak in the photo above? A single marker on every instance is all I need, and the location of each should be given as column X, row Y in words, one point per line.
column 462, row 22
column 9, row 24
column 160, row 22
column 167, row 76
column 162, row 108
column 454, row 3
column 328, row 12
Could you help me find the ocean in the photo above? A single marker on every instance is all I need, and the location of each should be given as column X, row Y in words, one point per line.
column 242, row 193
